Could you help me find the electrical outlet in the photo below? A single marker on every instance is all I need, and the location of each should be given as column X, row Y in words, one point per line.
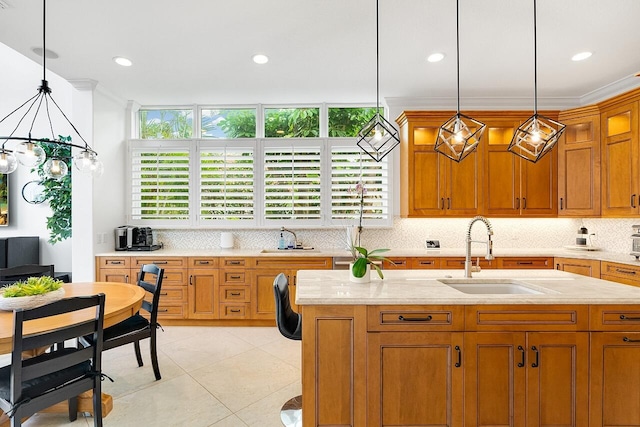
column 98, row 238
column 432, row 244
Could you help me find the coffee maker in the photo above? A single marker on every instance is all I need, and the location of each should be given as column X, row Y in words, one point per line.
column 135, row 239
column 124, row 237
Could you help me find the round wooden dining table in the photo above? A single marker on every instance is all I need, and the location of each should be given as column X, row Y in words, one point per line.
column 122, row 300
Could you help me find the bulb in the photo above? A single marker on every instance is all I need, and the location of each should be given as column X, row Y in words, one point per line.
column 377, row 134
column 87, row 162
column 8, row 162
column 457, row 133
column 55, row 169
column 535, row 133
column 30, row 154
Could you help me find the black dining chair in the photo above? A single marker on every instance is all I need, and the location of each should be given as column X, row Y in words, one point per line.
column 290, row 326
column 22, row 272
column 62, row 372
column 138, row 327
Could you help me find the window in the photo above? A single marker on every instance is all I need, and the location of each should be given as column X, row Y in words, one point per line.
column 291, row 122
column 346, row 122
column 228, row 123
column 166, row 123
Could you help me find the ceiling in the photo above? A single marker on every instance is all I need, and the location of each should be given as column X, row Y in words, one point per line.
column 199, row 51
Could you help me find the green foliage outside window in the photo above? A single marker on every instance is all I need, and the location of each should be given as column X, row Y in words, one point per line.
column 292, row 122
column 166, row 124
column 346, row 122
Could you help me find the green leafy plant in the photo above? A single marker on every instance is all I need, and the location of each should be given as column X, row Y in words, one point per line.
column 32, row 286
column 364, row 257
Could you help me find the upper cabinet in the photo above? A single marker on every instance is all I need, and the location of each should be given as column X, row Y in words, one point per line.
column 579, row 163
column 620, row 162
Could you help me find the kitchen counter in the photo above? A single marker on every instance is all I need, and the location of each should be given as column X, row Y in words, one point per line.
column 332, row 287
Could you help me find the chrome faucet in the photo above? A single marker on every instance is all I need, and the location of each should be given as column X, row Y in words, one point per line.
column 296, row 243
column 489, row 243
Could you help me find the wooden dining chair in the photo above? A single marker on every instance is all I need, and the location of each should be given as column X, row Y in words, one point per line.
column 138, row 327
column 63, row 372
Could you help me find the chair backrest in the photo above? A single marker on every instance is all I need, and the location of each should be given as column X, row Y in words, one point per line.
column 154, row 287
column 23, row 272
column 63, row 372
column 289, row 322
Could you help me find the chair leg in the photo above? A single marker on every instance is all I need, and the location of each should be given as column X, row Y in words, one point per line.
column 154, row 357
column 136, row 346
column 73, row 408
column 97, row 402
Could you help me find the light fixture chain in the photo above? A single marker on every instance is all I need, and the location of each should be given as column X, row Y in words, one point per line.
column 44, row 40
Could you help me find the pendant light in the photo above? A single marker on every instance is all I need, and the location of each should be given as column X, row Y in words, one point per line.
column 538, row 134
column 27, row 151
column 378, row 137
column 460, row 135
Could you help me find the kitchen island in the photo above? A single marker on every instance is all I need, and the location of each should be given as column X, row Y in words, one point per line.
column 413, row 350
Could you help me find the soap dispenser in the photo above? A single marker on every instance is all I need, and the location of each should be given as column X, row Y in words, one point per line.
column 281, row 243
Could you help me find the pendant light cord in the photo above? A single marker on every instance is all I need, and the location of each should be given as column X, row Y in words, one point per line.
column 377, row 61
column 458, row 53
column 44, row 40
column 535, row 62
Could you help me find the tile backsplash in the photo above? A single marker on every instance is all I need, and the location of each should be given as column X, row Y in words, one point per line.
column 611, row 234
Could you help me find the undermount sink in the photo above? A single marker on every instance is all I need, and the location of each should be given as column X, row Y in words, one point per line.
column 491, row 286
column 288, row 251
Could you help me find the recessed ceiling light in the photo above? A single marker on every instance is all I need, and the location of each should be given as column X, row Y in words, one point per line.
column 581, row 56
column 49, row 53
column 122, row 61
column 435, row 57
column 260, row 58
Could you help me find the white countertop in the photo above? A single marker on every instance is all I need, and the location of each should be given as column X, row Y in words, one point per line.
column 332, row 287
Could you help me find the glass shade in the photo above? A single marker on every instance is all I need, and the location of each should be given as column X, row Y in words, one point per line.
column 30, row 154
column 8, row 162
column 378, row 137
column 535, row 137
column 87, row 162
column 459, row 136
column 55, row 169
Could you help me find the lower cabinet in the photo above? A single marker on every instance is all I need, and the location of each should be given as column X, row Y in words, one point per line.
column 620, row 273
column 585, row 267
column 203, row 288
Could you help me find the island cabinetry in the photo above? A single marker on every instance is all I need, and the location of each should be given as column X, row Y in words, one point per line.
column 265, row 270
column 114, row 269
column 235, row 289
column 579, row 163
column 203, row 288
column 174, row 295
column 585, row 267
column 621, row 273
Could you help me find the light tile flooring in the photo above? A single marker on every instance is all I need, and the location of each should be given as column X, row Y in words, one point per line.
column 211, row 377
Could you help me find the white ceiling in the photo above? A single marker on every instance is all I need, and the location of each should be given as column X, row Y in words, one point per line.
column 199, row 51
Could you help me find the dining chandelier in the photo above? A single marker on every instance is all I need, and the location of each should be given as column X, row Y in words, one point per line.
column 460, row 135
column 27, row 150
column 378, row 137
column 538, row 134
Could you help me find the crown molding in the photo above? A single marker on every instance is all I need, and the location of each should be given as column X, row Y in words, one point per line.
column 625, row 84
column 482, row 103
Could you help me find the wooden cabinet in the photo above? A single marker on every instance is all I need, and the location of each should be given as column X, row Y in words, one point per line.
column 418, row 263
column 620, row 273
column 525, row 262
column 458, row 262
column 203, row 288
column 620, row 159
column 514, row 186
column 114, row 269
column 579, row 163
column 174, row 294
column 585, row 267
column 395, row 263
column 431, row 184
column 235, row 288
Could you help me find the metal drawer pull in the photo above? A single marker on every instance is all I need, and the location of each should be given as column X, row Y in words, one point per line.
column 459, row 362
column 426, row 262
column 623, row 317
column 625, row 339
column 535, row 349
column 116, row 262
column 160, row 262
column 235, row 310
column 163, row 310
column 619, row 270
column 235, row 277
column 203, row 262
column 234, row 294
column 234, row 262
column 163, row 294
column 415, row 319
column 521, row 364
column 561, row 205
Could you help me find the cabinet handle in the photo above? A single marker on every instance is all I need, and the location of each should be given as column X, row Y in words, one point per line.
column 160, row 262
column 235, row 310
column 517, row 203
column 203, row 262
column 620, row 270
column 234, row 262
column 561, row 205
column 521, row 364
column 557, row 266
column 191, row 280
column 442, row 203
column 633, row 200
column 459, row 362
column 525, row 263
column 234, row 294
column 448, row 202
column 126, row 278
column 163, row 294
column 524, row 203
column 426, row 262
column 535, row 350
column 234, row 277
column 115, row 262
column 623, row 317
column 415, row 319
column 164, row 310
column 625, row 339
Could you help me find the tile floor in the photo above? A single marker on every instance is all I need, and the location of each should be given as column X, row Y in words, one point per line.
column 211, row 377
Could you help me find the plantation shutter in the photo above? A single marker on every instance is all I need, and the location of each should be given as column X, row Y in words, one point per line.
column 347, row 162
column 292, row 187
column 226, row 184
column 160, row 190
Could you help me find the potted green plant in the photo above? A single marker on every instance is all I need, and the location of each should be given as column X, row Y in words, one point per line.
column 364, row 260
column 30, row 293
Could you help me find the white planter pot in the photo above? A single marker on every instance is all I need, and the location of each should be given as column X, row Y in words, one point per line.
column 364, row 279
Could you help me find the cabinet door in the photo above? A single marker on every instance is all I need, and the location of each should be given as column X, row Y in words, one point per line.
column 539, row 186
column 121, row 275
column 615, row 379
column 585, row 267
column 415, row 379
column 203, row 293
column 263, row 305
column 495, row 375
column 620, row 161
column 501, row 173
column 463, row 186
column 579, row 167
column 428, row 185
column 557, row 379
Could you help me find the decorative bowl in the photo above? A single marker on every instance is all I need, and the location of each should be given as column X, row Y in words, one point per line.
column 32, row 301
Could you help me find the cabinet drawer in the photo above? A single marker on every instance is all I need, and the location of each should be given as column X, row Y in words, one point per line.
column 615, row 318
column 621, row 273
column 172, row 311
column 173, row 294
column 234, row 311
column 204, row 262
column 415, row 318
column 233, row 277
column 234, row 262
column 524, row 318
column 396, row 263
column 524, row 263
column 171, row 277
column 424, row 263
column 163, row 262
column 297, row 263
column 458, row 262
column 234, row 294
column 114, row 262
